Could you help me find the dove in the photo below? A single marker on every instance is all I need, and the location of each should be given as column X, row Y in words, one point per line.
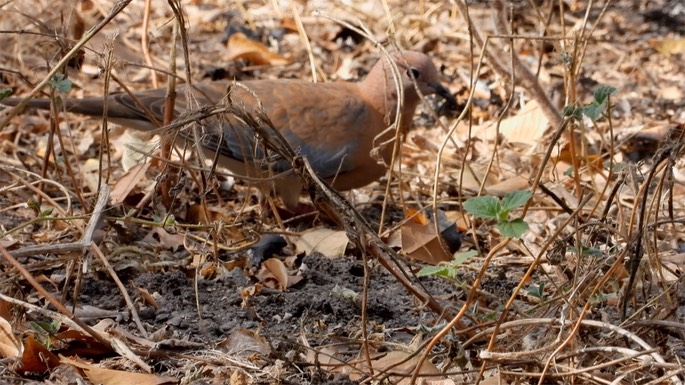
column 340, row 127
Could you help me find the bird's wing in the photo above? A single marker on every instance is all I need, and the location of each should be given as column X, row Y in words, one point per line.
column 325, row 124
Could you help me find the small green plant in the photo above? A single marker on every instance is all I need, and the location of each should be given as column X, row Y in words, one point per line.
column 43, row 330
column 5, row 92
column 586, row 251
column 166, row 221
column 595, row 108
column 489, row 207
column 61, row 84
column 447, row 270
column 537, row 290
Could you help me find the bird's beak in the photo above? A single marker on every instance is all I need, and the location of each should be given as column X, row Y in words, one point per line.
column 444, row 93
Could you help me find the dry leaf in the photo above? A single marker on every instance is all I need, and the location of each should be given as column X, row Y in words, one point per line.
column 250, row 292
column 103, row 376
column 421, row 242
column 36, row 357
column 326, row 358
column 668, row 47
column 288, row 23
column 515, row 183
column 527, row 126
column 330, row 243
column 133, row 147
column 161, row 237
column 128, row 182
column 245, row 343
column 417, row 217
column 401, row 365
column 674, row 92
column 200, row 213
column 241, row 47
column 147, row 297
column 10, row 346
column 273, row 269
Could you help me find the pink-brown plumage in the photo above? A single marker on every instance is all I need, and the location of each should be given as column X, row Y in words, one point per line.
column 333, row 124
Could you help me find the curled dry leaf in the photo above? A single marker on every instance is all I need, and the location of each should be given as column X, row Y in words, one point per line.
column 250, row 292
column 163, row 239
column 241, row 47
column 274, row 274
column 10, row 346
column 200, row 213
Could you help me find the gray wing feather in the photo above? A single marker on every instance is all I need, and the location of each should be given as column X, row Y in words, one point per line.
column 240, row 143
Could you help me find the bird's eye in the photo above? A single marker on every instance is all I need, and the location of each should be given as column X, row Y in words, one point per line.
column 413, row 73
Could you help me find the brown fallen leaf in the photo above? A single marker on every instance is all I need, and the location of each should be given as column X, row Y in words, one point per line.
column 103, row 376
column 244, row 343
column 423, row 243
column 164, row 239
column 10, row 346
column 330, row 243
column 527, row 126
column 668, row 47
column 36, row 357
column 199, row 213
column 273, row 270
column 401, row 366
column 123, row 187
column 241, row 47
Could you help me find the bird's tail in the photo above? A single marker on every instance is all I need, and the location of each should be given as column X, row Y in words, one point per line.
column 89, row 106
column 117, row 112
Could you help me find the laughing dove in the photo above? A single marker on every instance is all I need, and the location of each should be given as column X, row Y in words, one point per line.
column 334, row 125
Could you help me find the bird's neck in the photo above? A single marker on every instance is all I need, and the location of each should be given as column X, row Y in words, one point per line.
column 382, row 96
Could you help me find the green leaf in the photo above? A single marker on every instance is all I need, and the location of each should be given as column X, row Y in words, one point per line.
column 483, row 207
column 503, row 216
column 61, row 84
column 586, row 251
column 447, row 270
column 598, row 297
column 5, row 92
column 537, row 291
column 617, row 167
column 45, row 213
column 51, row 327
column 516, row 199
column 594, row 110
column 603, row 92
column 427, row 271
column 170, row 220
column 573, row 111
column 492, row 316
column 593, row 251
column 33, row 205
column 514, row 228
column 460, row 258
